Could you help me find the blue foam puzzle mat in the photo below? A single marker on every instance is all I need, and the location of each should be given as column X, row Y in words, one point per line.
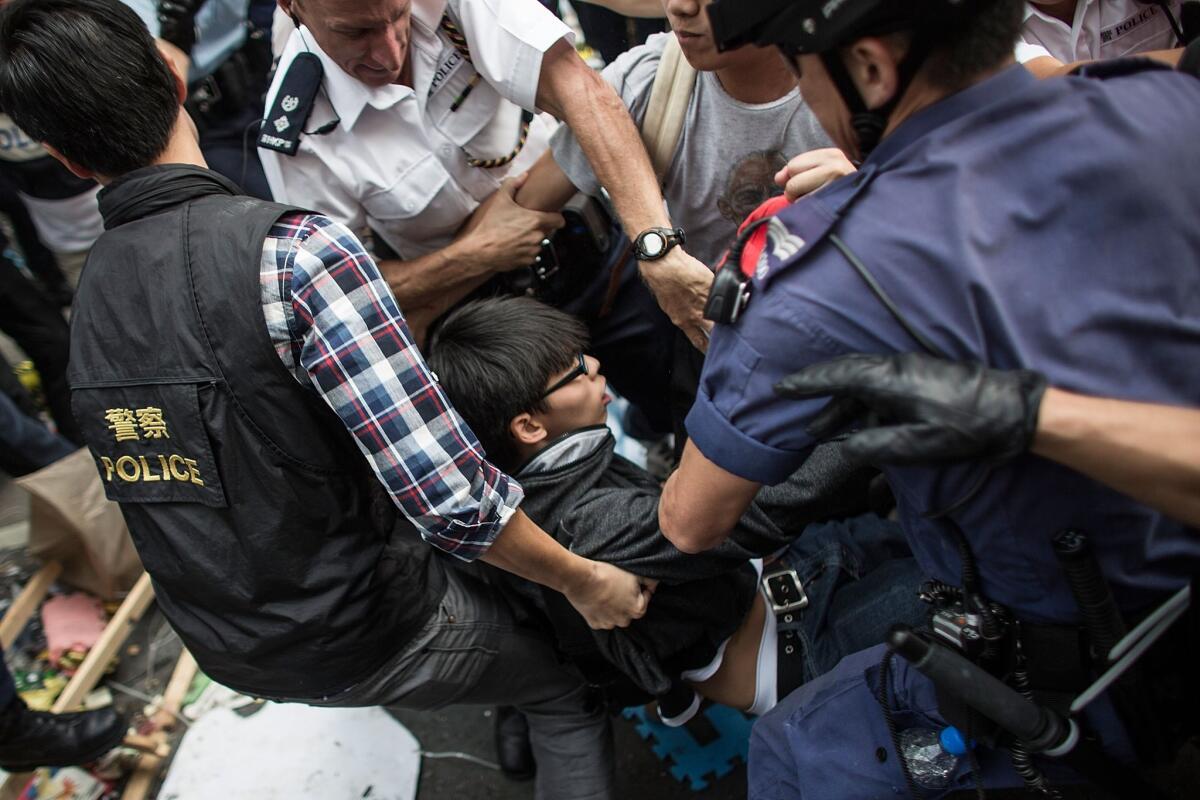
column 690, row 761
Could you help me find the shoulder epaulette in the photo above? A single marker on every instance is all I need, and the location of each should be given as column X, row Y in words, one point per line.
column 293, row 105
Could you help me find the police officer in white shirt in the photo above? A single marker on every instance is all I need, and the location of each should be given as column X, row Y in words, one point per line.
column 418, row 123
column 1058, row 34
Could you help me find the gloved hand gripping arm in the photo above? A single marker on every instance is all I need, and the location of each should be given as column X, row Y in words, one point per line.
column 929, row 410
column 920, row 409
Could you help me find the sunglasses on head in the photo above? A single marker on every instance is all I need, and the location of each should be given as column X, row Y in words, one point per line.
column 580, row 368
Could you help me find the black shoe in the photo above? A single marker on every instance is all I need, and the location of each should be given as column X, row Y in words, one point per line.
column 512, row 744
column 31, row 739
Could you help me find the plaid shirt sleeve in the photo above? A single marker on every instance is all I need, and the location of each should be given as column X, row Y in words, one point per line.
column 337, row 327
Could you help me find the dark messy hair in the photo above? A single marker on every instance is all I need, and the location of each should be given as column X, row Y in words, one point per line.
column 983, row 42
column 85, row 77
column 494, row 358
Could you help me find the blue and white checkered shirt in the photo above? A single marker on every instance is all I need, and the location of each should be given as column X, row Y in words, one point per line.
column 337, row 328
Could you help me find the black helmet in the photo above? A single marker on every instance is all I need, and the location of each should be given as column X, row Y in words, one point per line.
column 818, row 26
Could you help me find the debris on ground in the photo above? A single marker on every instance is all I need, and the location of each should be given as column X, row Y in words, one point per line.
column 72, row 623
column 67, row 783
column 48, row 651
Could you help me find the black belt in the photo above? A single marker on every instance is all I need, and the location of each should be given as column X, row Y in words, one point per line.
column 785, row 598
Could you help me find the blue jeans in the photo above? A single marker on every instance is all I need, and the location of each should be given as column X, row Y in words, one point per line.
column 859, row 580
column 26, row 445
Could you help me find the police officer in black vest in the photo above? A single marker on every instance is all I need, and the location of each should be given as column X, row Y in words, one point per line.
column 232, row 361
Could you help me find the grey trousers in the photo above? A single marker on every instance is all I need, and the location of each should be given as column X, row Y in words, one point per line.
column 472, row 653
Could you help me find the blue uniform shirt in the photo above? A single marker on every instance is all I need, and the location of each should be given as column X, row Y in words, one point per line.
column 1051, row 225
column 220, row 31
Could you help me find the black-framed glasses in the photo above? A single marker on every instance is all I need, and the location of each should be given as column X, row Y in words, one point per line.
column 581, row 368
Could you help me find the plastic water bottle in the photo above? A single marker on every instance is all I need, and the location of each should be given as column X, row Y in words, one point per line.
column 931, row 756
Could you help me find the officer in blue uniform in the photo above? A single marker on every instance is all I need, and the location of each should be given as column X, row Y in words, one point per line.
column 1045, row 226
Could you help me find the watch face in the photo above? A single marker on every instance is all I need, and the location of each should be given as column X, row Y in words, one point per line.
column 653, row 243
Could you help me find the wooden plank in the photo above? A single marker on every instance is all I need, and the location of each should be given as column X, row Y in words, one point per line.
column 142, row 780
column 177, row 689
column 151, row 745
column 92, row 668
column 146, row 770
column 118, row 630
column 27, row 602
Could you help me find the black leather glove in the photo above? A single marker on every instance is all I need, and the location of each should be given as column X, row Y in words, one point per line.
column 177, row 23
column 922, row 409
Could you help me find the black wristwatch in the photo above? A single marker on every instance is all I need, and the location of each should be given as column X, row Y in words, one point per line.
column 654, row 243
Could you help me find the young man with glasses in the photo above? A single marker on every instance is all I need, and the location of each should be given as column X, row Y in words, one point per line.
column 515, row 369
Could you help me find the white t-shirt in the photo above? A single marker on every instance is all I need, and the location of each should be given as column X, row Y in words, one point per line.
column 397, row 161
column 1102, row 29
column 69, row 225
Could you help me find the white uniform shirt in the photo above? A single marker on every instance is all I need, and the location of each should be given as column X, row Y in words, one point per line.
column 397, row 161
column 1102, row 29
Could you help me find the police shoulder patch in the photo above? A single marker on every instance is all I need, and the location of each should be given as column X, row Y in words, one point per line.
column 293, row 105
column 790, row 236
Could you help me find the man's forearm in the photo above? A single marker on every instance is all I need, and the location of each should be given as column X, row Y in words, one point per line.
column 426, row 287
column 428, row 279
column 1149, row 452
column 1050, row 67
column 606, row 596
column 524, row 549
column 606, row 134
column 582, row 99
column 547, row 188
column 701, row 502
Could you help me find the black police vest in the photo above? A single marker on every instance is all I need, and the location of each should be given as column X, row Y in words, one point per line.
column 273, row 550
